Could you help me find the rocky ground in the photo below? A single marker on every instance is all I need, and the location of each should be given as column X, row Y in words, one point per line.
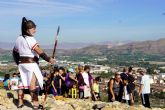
column 9, row 102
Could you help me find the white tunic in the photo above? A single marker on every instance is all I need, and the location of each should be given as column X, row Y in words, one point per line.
column 25, row 47
column 87, row 90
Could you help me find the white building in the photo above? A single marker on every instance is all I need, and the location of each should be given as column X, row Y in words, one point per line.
column 100, row 69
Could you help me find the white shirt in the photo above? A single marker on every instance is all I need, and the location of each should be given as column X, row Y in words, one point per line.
column 86, row 78
column 145, row 81
column 25, row 46
column 125, row 94
column 14, row 83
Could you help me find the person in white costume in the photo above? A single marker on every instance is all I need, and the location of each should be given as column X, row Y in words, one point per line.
column 88, row 80
column 29, row 53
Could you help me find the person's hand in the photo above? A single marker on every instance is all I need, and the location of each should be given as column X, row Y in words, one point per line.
column 113, row 98
column 55, row 90
column 52, row 61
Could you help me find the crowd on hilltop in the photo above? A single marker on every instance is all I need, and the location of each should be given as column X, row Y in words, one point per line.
column 64, row 82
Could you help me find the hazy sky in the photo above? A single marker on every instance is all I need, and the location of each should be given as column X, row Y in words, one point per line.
column 85, row 20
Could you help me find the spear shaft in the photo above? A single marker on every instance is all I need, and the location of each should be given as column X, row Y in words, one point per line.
column 48, row 84
column 55, row 44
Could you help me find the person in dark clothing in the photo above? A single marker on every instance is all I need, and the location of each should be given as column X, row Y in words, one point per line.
column 81, row 82
column 131, row 79
column 56, row 83
column 127, row 92
column 62, row 74
column 115, row 89
column 124, row 73
column 131, row 83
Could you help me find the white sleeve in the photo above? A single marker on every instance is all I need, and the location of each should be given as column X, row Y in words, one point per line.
column 31, row 42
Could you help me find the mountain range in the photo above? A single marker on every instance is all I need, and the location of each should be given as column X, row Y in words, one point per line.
column 68, row 45
column 147, row 47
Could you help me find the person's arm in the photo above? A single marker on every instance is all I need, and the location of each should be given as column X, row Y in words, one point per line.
column 43, row 55
column 63, row 78
column 71, row 77
column 60, row 83
column 54, row 86
column 111, row 90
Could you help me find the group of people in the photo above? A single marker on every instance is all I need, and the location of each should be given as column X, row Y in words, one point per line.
column 64, row 80
column 122, row 87
column 15, row 83
column 26, row 54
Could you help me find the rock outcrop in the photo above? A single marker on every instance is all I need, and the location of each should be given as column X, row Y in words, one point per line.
column 60, row 103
